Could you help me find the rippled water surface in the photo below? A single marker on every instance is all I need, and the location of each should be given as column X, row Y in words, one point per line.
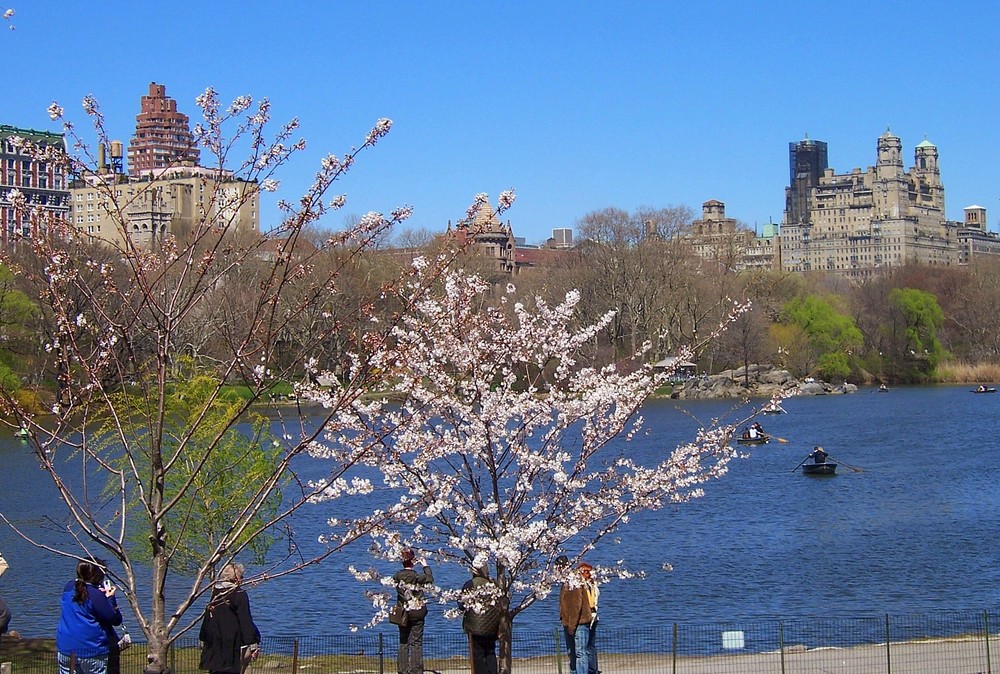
column 914, row 531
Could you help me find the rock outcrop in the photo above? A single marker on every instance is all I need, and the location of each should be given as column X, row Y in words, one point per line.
column 758, row 381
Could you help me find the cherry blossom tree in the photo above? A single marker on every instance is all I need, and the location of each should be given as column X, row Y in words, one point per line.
column 137, row 461
column 496, row 444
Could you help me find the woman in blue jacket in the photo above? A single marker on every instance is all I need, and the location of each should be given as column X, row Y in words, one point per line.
column 88, row 617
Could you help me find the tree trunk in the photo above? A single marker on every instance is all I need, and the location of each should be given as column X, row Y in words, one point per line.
column 505, row 658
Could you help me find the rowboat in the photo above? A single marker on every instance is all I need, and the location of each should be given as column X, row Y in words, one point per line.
column 985, row 389
column 759, row 440
column 775, row 409
column 819, row 469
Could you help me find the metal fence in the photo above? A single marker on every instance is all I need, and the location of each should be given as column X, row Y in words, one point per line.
column 953, row 642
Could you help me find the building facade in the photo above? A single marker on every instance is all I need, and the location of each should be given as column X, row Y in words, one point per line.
column 974, row 238
column 108, row 207
column 856, row 223
column 42, row 181
column 491, row 239
column 722, row 240
column 163, row 137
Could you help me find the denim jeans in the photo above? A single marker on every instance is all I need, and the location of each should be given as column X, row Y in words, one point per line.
column 96, row 665
column 592, row 667
column 576, row 644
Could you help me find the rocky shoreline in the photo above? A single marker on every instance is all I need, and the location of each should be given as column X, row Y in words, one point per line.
column 755, row 381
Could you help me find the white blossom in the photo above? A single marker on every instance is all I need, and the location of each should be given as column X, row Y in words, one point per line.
column 491, row 441
column 380, row 129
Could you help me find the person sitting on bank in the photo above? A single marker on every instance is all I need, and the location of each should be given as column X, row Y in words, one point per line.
column 819, row 455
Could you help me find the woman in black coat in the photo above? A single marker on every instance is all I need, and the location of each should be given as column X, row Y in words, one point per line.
column 230, row 639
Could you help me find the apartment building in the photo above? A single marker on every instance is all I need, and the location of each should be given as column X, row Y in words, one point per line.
column 162, row 138
column 717, row 238
column 859, row 222
column 25, row 168
column 109, row 207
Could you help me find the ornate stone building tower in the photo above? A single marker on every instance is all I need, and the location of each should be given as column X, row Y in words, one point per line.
column 491, row 238
column 162, row 137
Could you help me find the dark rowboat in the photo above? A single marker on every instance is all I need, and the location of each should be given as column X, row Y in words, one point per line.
column 828, row 468
column 987, row 389
column 774, row 410
column 759, row 440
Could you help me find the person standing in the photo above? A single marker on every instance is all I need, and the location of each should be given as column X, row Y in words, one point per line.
column 481, row 604
column 4, row 611
column 230, row 640
column 410, row 659
column 576, row 616
column 88, row 616
column 593, row 593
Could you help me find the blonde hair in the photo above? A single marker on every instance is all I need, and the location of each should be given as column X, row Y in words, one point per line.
column 232, row 572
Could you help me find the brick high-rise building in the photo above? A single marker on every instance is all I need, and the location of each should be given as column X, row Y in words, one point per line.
column 163, row 137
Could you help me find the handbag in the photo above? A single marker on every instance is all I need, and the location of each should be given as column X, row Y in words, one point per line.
column 397, row 615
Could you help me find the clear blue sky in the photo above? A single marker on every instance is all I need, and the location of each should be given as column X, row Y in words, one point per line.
column 577, row 105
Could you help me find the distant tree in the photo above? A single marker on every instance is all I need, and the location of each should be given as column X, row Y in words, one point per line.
column 18, row 340
column 914, row 322
column 642, row 265
column 745, row 342
column 495, row 443
column 974, row 321
column 209, row 488
column 833, row 336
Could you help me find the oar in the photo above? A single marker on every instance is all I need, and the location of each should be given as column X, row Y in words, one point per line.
column 781, row 440
column 801, row 462
column 854, row 468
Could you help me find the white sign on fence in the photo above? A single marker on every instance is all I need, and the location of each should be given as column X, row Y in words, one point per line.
column 732, row 639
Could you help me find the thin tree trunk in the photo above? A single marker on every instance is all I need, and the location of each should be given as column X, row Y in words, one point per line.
column 505, row 659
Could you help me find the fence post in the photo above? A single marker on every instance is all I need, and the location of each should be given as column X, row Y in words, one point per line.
column 781, row 643
column 986, row 632
column 295, row 655
column 381, row 653
column 171, row 656
column 673, row 648
column 555, row 633
column 888, row 650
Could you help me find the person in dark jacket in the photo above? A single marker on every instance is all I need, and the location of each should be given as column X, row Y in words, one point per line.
column 481, row 604
column 230, row 639
column 410, row 659
column 88, row 617
column 4, row 617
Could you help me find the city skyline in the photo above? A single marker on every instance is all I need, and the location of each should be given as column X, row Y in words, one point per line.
column 577, row 107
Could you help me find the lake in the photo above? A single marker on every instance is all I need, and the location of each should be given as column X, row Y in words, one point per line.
column 912, row 532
